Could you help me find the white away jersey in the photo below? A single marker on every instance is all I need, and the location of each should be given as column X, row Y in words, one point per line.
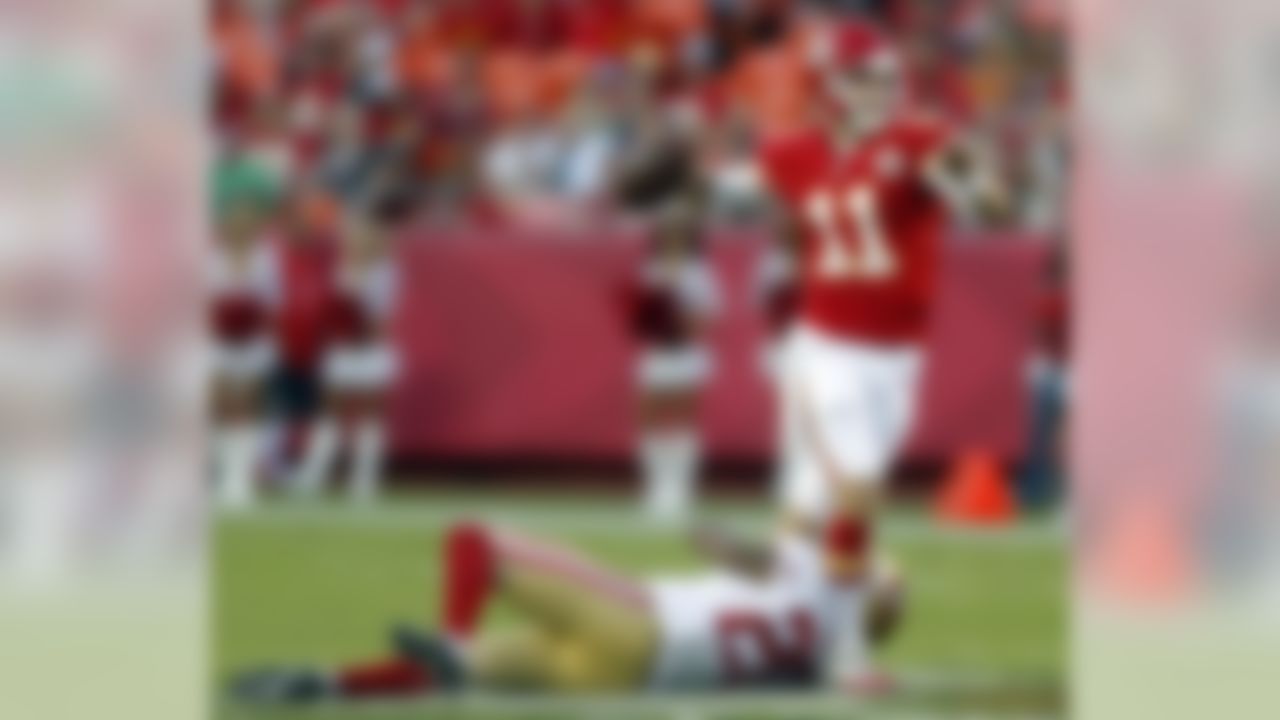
column 373, row 286
column 254, row 277
column 722, row 630
column 692, row 284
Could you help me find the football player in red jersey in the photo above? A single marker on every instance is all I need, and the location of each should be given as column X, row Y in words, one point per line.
column 305, row 261
column 357, row 366
column 241, row 303
column 870, row 198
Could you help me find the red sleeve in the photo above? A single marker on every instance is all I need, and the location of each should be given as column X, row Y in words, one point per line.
column 927, row 137
column 789, row 162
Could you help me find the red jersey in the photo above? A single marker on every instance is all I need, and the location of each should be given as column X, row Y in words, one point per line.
column 308, row 278
column 1053, row 316
column 236, row 318
column 870, row 225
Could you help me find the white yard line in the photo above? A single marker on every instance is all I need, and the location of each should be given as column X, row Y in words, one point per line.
column 915, row 688
column 608, row 521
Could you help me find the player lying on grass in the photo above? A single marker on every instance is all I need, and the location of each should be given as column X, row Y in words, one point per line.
column 760, row 619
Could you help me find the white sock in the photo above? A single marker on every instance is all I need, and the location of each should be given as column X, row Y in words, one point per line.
column 686, row 456
column 653, row 464
column 39, row 504
column 669, row 462
column 368, row 450
column 649, row 464
column 850, row 649
column 321, row 453
column 275, row 441
column 237, row 447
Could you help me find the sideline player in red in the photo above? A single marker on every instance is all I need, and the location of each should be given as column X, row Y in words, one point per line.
column 870, row 198
column 305, row 267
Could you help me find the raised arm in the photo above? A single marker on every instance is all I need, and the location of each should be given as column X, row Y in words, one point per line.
column 967, row 179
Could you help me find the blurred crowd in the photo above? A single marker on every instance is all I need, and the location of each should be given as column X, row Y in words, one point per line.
column 525, row 110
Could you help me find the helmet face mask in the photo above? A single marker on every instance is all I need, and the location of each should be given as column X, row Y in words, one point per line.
column 863, row 76
column 868, row 92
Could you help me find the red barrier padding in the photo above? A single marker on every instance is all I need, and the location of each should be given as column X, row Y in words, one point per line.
column 515, row 347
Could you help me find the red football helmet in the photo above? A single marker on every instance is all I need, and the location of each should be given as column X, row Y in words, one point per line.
column 862, row 73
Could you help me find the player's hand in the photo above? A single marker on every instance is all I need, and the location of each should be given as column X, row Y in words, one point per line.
column 433, row 652
column 280, row 686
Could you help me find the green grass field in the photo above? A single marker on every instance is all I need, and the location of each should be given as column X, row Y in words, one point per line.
column 984, row 633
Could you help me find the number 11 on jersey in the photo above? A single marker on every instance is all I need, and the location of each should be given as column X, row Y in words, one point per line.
column 867, row 255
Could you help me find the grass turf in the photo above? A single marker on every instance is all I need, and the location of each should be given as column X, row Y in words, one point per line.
column 983, row 635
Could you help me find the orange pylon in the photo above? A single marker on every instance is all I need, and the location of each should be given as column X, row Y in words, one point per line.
column 976, row 492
